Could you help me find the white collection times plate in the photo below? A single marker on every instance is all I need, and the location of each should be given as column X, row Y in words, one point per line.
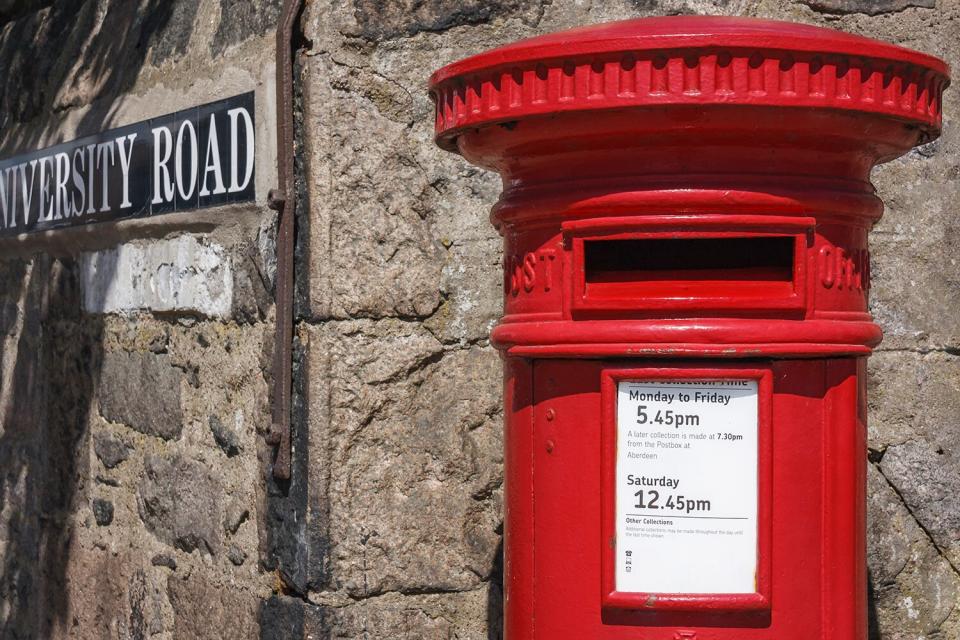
column 686, row 492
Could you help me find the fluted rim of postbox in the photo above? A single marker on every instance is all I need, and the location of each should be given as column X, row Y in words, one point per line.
column 688, row 60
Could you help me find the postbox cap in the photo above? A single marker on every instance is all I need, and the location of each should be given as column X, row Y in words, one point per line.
column 692, row 60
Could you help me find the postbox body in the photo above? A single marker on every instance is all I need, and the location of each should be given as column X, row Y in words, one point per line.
column 685, row 214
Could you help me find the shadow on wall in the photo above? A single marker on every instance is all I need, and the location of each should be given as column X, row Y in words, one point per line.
column 873, row 622
column 49, row 361
column 66, row 54
column 495, row 597
column 56, row 56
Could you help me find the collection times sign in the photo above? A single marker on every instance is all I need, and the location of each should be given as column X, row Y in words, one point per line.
column 199, row 157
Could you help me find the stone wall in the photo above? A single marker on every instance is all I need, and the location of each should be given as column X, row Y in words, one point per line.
column 134, row 492
column 133, row 355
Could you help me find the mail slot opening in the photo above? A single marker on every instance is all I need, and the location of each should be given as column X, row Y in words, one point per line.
column 764, row 259
column 761, row 266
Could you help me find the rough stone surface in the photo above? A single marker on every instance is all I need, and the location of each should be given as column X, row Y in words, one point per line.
column 394, row 616
column 103, row 511
column 142, row 391
column 226, row 438
column 179, row 501
column 925, row 476
column 414, row 457
column 185, row 274
column 381, row 20
column 208, row 610
column 173, row 37
column 241, row 19
column 164, row 560
column 236, row 515
column 110, row 449
column 869, row 7
column 431, row 617
column 914, row 396
column 123, row 598
column 914, row 587
column 236, row 555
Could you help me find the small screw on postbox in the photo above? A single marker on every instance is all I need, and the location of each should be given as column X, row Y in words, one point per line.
column 685, row 219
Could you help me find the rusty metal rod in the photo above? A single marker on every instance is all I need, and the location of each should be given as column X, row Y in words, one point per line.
column 283, row 200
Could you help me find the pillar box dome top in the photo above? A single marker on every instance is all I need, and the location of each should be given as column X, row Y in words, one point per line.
column 691, row 60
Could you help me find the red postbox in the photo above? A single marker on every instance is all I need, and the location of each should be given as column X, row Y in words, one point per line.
column 685, row 213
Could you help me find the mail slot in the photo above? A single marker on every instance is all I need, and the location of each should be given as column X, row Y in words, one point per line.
column 685, row 214
column 674, row 263
column 684, row 262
